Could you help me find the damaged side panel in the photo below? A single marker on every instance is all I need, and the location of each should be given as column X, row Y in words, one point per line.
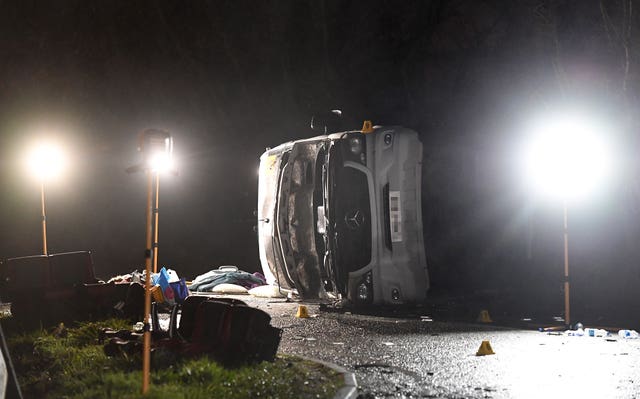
column 271, row 164
column 297, row 219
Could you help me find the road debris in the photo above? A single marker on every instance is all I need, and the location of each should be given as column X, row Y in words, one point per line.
column 628, row 334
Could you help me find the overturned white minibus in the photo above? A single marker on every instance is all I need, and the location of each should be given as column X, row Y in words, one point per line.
column 341, row 214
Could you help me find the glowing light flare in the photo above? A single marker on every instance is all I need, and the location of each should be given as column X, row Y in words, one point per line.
column 161, row 162
column 158, row 149
column 46, row 161
column 568, row 160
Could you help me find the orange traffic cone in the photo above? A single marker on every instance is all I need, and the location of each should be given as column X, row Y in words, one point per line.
column 302, row 312
column 485, row 349
column 484, row 317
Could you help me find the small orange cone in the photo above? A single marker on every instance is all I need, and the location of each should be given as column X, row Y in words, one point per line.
column 484, row 317
column 485, row 349
column 302, row 312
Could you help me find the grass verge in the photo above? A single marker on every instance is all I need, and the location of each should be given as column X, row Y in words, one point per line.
column 70, row 363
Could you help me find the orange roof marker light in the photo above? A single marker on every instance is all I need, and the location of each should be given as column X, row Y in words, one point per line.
column 367, row 127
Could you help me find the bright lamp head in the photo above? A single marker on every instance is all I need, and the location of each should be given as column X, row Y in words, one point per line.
column 157, row 148
column 161, row 162
column 46, row 161
column 567, row 159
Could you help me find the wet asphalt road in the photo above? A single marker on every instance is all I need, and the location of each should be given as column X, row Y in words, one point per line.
column 416, row 357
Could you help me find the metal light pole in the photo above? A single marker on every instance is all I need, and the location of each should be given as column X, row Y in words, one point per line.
column 151, row 252
column 146, row 350
column 155, row 224
column 566, row 161
column 44, row 220
column 156, row 146
column 567, row 314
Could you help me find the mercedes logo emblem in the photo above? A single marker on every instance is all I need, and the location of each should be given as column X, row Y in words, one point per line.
column 354, row 219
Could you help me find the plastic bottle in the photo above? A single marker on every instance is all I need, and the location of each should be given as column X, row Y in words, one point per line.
column 628, row 334
column 595, row 332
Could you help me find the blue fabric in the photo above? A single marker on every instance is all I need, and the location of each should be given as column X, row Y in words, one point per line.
column 180, row 290
column 167, row 291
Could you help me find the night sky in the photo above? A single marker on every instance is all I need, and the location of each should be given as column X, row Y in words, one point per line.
column 229, row 78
